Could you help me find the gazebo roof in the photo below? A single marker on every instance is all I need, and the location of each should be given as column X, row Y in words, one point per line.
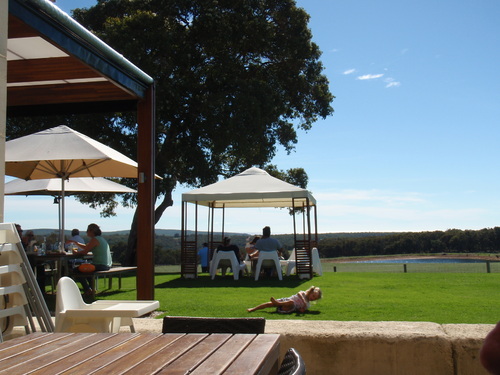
column 252, row 188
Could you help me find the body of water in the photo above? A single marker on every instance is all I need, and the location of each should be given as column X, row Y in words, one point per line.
column 424, row 260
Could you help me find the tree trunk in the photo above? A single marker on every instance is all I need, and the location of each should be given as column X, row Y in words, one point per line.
column 131, row 253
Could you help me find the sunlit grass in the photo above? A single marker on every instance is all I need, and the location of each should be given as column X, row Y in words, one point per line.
column 364, row 296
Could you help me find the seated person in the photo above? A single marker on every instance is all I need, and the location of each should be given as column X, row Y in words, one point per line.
column 267, row 243
column 203, row 253
column 29, row 241
column 252, row 252
column 102, row 255
column 227, row 246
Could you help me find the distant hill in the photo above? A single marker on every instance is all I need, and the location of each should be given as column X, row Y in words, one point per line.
column 177, row 232
column 159, row 232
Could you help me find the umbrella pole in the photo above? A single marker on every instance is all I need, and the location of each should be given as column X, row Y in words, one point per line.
column 59, row 213
column 61, row 236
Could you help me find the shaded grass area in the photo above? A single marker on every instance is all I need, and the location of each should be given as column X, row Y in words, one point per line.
column 348, row 296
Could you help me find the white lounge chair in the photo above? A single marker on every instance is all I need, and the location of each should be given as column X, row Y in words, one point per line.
column 268, row 258
column 225, row 259
column 74, row 315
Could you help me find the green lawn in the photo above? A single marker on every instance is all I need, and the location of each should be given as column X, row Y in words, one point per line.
column 364, row 296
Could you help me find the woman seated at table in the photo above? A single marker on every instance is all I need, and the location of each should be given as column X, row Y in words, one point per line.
column 252, row 252
column 100, row 250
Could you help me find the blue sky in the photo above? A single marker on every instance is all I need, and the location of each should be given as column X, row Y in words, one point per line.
column 412, row 145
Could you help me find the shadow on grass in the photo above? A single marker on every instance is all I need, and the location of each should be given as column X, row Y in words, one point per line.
column 228, row 281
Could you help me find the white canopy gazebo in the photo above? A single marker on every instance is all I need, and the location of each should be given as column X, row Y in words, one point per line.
column 252, row 188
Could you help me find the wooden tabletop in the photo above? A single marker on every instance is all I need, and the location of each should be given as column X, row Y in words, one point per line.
column 140, row 353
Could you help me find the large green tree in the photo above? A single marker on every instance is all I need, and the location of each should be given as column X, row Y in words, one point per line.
column 234, row 79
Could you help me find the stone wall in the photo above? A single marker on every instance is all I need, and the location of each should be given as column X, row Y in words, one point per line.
column 385, row 348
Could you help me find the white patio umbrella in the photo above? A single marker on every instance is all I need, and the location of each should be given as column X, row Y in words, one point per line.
column 62, row 152
column 53, row 186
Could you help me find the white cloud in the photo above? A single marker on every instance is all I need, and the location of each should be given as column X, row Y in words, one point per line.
column 391, row 82
column 349, row 71
column 369, row 76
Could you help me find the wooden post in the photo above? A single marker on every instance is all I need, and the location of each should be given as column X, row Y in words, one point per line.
column 4, row 21
column 146, row 146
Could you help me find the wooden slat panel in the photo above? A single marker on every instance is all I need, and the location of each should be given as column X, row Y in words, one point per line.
column 260, row 357
column 189, row 258
column 70, row 355
column 32, row 358
column 56, row 68
column 195, row 356
column 140, row 355
column 225, row 355
column 83, row 352
column 72, row 108
column 109, row 355
column 27, row 346
column 68, row 93
column 22, row 340
column 143, row 354
column 18, row 29
column 303, row 263
column 167, row 355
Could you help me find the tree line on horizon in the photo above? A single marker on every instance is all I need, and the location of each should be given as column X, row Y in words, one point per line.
column 450, row 241
column 334, row 245
column 330, row 245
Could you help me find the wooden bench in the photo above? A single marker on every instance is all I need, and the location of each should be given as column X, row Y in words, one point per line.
column 113, row 271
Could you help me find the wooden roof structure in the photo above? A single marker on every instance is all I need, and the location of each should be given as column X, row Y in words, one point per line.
column 56, row 66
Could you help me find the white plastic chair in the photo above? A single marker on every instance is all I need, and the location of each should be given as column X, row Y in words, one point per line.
column 248, row 264
column 14, row 303
column 224, row 259
column 268, row 258
column 290, row 263
column 316, row 262
column 74, row 315
column 14, row 309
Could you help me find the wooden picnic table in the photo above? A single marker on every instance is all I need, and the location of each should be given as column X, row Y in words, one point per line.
column 140, row 353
